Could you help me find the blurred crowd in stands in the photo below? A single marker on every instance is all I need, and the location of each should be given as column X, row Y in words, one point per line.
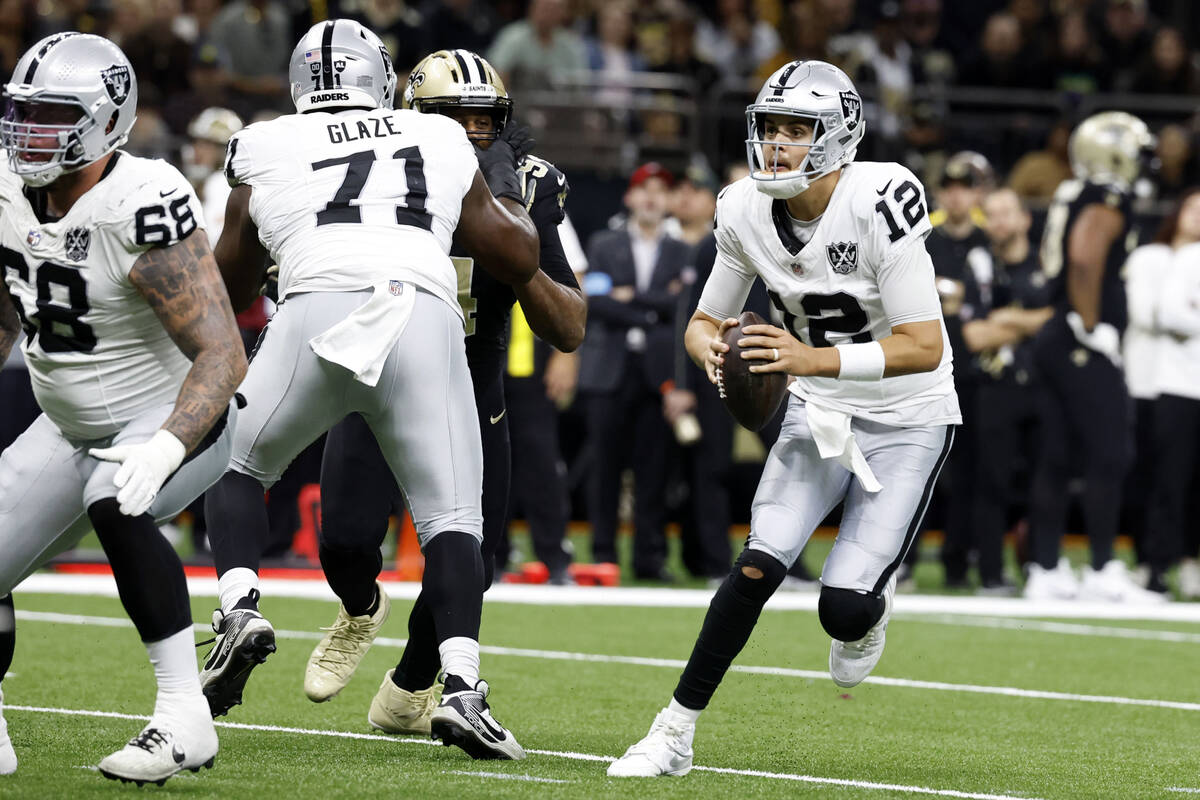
column 640, row 437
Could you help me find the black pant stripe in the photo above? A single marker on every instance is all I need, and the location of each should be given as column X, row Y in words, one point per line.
column 915, row 524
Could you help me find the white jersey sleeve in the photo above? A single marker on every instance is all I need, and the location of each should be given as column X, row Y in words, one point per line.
column 906, row 284
column 160, row 210
column 732, row 275
column 895, row 214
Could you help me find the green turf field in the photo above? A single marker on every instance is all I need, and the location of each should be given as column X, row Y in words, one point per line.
column 946, row 728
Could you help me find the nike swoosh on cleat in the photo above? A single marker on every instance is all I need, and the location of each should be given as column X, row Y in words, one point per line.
column 497, row 418
column 883, row 191
column 177, row 754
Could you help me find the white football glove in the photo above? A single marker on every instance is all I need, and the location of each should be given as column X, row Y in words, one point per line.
column 1104, row 338
column 144, row 468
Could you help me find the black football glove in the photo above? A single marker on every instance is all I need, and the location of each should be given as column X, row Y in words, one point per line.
column 498, row 162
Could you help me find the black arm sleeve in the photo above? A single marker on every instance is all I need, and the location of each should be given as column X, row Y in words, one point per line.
column 553, row 260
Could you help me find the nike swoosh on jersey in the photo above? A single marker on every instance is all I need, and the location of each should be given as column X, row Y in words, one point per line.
column 883, row 191
column 497, row 418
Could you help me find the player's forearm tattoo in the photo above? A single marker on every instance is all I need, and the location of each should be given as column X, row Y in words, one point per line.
column 10, row 323
column 181, row 283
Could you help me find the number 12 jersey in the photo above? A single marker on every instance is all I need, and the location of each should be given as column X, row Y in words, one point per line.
column 346, row 200
column 863, row 270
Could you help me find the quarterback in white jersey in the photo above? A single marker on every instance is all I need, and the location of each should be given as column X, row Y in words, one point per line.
column 134, row 356
column 840, row 247
column 357, row 203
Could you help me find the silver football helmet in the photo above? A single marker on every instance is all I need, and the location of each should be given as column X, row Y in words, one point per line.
column 341, row 64
column 72, row 100
column 819, row 94
column 1110, row 148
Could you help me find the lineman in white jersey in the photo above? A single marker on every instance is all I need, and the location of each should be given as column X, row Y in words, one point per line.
column 840, row 247
column 357, row 204
column 134, row 357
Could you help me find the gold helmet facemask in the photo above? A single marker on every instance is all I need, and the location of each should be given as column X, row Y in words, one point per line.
column 458, row 79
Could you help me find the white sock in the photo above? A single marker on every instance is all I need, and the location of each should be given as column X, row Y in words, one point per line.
column 460, row 656
column 689, row 714
column 175, row 670
column 234, row 585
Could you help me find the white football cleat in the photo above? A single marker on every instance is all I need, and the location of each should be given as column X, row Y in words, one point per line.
column 394, row 710
column 338, row 654
column 1112, row 583
column 162, row 749
column 851, row 662
column 1189, row 579
column 1059, row 583
column 8, row 756
column 665, row 750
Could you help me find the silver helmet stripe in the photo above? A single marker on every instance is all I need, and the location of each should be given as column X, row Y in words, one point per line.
column 327, row 55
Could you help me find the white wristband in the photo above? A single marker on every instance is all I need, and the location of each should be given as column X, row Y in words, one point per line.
column 861, row 362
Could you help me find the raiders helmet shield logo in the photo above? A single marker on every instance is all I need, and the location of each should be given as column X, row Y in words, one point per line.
column 117, row 81
column 851, row 109
column 77, row 242
column 843, row 257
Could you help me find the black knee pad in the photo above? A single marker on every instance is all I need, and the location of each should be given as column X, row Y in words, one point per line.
column 757, row 589
column 847, row 614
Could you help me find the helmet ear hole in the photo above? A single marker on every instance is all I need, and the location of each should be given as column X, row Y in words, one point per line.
column 112, row 122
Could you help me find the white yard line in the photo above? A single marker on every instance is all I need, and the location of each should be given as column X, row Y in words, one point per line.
column 1182, row 790
column 906, row 604
column 504, row 776
column 750, row 773
column 1066, row 628
column 671, row 663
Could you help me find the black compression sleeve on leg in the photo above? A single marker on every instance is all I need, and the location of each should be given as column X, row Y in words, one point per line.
column 453, row 584
column 420, row 662
column 351, row 574
column 237, row 522
column 731, row 617
column 148, row 572
column 8, row 634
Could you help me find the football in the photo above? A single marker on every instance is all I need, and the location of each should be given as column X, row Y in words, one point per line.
column 751, row 397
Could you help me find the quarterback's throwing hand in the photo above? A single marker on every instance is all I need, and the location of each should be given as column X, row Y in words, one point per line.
column 778, row 350
column 717, row 349
column 144, row 468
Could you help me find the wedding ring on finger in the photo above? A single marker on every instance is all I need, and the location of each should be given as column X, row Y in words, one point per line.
column 775, row 353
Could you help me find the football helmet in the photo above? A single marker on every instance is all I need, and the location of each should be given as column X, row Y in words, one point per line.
column 1110, row 148
column 215, row 124
column 821, row 95
column 71, row 101
column 458, row 79
column 341, row 64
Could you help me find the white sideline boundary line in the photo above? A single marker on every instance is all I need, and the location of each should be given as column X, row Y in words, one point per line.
column 671, row 663
column 525, row 594
column 751, row 773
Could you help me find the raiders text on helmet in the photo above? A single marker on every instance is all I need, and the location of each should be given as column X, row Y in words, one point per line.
column 820, row 95
column 458, row 79
column 71, row 101
column 341, row 64
column 1108, row 148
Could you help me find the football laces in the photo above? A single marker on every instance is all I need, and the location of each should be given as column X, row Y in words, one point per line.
column 720, row 383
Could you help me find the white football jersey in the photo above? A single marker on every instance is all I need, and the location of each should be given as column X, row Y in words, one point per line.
column 864, row 270
column 346, row 200
column 97, row 353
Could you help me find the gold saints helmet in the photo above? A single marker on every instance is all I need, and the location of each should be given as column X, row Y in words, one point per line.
column 1110, row 148
column 458, row 79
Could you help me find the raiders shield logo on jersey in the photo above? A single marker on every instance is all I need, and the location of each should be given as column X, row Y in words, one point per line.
column 77, row 242
column 851, row 109
column 843, row 257
column 116, row 82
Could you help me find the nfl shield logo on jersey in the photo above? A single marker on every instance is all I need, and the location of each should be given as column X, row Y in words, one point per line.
column 116, row 82
column 396, row 288
column 34, row 238
column 77, row 242
column 843, row 257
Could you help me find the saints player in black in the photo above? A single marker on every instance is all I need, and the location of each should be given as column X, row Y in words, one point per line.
column 1084, row 409
column 357, row 489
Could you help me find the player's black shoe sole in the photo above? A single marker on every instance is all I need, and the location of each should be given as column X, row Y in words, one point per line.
column 112, row 776
column 224, row 689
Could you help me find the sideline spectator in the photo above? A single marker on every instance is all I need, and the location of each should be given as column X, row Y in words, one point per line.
column 1169, row 68
column 736, row 42
column 539, row 50
column 1036, row 175
column 459, row 24
column 633, row 284
column 256, row 38
column 1171, row 532
column 1125, row 40
column 1078, row 64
